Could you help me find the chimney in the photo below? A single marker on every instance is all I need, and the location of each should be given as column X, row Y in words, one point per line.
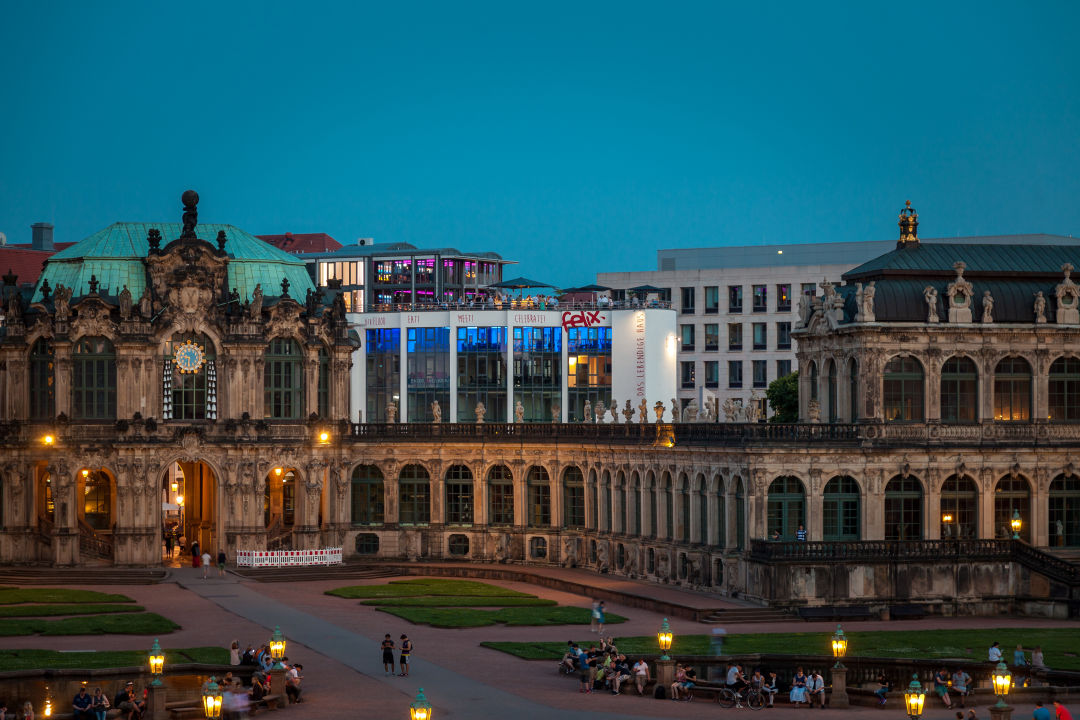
column 42, row 236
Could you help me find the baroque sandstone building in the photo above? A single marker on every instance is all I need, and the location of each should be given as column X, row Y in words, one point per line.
column 931, row 416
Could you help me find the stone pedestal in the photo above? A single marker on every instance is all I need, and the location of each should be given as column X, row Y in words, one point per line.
column 1000, row 712
column 839, row 697
column 277, row 683
column 665, row 674
column 157, row 703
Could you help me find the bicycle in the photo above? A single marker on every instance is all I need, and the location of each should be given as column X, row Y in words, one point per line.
column 754, row 699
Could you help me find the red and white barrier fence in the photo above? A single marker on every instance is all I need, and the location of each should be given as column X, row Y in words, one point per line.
column 288, row 558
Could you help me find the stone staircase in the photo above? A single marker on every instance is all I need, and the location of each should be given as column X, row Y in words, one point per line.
column 735, row 616
column 94, row 576
column 1070, row 554
column 309, row 574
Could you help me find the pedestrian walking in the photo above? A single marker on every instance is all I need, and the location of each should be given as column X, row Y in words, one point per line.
column 406, row 651
column 168, row 543
column 595, row 616
column 600, row 617
column 205, row 563
column 195, row 553
column 388, row 655
column 221, row 560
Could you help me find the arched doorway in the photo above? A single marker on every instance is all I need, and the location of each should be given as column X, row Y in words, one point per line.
column 191, row 508
column 279, row 507
column 786, row 511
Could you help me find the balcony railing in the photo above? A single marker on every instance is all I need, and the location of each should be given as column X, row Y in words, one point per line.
column 515, row 304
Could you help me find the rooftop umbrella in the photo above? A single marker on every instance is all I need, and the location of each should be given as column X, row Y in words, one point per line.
column 646, row 289
column 520, row 283
column 592, row 288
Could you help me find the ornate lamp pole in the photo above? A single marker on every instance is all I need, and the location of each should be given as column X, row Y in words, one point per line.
column 156, row 659
column 420, row 708
column 665, row 666
column 664, row 637
column 1002, row 679
column 277, row 652
column 914, row 698
column 839, row 672
column 1016, row 523
column 157, row 663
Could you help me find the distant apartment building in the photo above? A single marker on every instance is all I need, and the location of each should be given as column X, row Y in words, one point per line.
column 737, row 306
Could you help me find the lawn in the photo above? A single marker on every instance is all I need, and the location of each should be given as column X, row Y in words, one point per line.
column 53, row 660
column 1059, row 645
column 426, row 587
column 467, row 617
column 12, row 596
column 457, row 603
column 125, row 624
column 73, row 609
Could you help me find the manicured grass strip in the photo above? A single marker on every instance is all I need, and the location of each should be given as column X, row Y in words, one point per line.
column 54, row 610
column 923, row 644
column 455, row 601
column 127, row 624
column 425, row 587
column 467, row 617
column 11, row 596
column 51, row 659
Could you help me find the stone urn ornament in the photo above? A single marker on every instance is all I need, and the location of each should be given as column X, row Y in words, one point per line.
column 628, row 412
column 391, row 412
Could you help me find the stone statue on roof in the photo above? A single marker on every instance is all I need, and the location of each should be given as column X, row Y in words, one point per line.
column 190, row 198
column 125, row 303
column 255, row 309
column 1040, row 308
column 61, row 298
column 988, row 307
column 929, row 294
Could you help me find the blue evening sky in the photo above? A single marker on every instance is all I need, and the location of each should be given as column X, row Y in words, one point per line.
column 573, row 137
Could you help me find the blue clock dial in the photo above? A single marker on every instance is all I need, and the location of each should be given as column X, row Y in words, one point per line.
column 189, row 357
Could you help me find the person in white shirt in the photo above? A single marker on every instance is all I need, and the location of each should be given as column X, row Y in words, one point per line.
column 205, row 563
column 641, row 676
column 995, row 653
column 815, row 689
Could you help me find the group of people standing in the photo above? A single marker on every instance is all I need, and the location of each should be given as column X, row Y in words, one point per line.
column 403, row 657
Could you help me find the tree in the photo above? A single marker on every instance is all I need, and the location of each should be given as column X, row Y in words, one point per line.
column 783, row 395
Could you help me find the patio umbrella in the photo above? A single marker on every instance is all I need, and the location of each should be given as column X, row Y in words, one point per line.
column 645, row 289
column 593, row 288
column 520, row 283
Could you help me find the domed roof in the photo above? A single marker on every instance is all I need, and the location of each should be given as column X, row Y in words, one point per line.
column 116, row 254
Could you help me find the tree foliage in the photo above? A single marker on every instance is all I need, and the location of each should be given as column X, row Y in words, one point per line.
column 783, row 395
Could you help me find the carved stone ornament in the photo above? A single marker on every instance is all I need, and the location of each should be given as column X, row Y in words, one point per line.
column 959, row 295
column 864, row 302
column 93, row 320
column 813, row 411
column 284, row 320
column 1068, row 299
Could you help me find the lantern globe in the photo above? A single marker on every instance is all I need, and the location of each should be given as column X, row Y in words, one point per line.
column 664, row 638
column 277, row 648
column 212, row 700
column 839, row 646
column 914, row 698
column 420, row 708
column 1017, row 523
column 157, row 662
column 1003, row 681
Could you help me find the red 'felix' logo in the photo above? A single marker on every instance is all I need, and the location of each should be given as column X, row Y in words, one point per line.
column 585, row 318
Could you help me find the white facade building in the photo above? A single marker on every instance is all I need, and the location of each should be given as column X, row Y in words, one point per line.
column 550, row 361
column 736, row 306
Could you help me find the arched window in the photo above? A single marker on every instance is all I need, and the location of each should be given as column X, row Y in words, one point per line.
column 721, row 514
column 280, row 483
column 618, row 523
column 538, row 485
column 740, row 514
column 959, row 508
column 459, row 495
column 831, row 379
column 368, row 495
column 652, row 499
column 573, row 498
column 501, row 495
column 1012, row 494
column 324, row 383
column 853, row 389
column 189, row 383
column 97, row 500
column 903, row 509
column 1012, row 390
column 594, row 499
column 959, row 391
column 283, row 380
column 786, row 507
column 1065, row 390
column 813, row 381
column 42, row 380
column 840, row 510
column 48, row 504
column 93, row 380
column 414, row 496
column 684, row 509
column 703, row 510
column 635, row 501
column 903, row 387
column 606, row 508
column 669, row 506
column 1065, row 511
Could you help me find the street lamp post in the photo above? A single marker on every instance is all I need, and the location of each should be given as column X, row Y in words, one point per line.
column 914, row 698
column 664, row 638
column 1016, row 524
column 665, row 666
column 839, row 672
column 277, row 652
column 420, row 708
column 156, row 660
column 1002, row 680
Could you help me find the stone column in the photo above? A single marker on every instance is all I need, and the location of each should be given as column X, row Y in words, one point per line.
column 815, row 507
column 1000, row 712
column 665, row 674
column 65, row 529
column 62, row 375
column 157, row 703
column 839, row 698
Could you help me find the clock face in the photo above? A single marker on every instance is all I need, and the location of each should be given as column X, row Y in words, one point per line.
column 189, row 357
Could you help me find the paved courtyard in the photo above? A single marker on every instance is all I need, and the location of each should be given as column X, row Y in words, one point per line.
column 337, row 642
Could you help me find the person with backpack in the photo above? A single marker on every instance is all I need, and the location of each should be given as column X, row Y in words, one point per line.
column 406, row 651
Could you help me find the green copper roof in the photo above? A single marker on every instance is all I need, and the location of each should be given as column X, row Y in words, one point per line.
column 930, row 258
column 115, row 255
